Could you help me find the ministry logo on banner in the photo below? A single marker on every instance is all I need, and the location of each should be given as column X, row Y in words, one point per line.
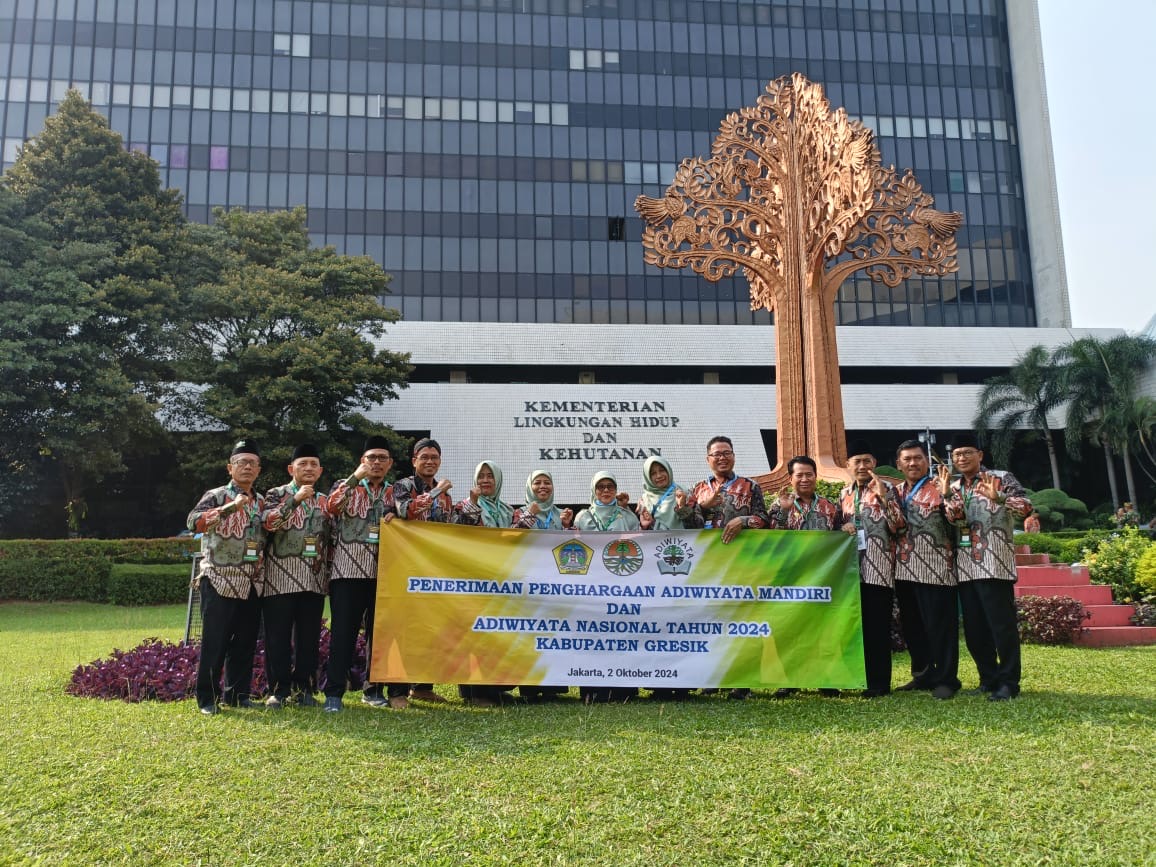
column 573, row 558
column 622, row 557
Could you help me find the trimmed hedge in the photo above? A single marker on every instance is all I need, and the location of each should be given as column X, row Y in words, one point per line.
column 148, row 583
column 1066, row 546
column 46, row 570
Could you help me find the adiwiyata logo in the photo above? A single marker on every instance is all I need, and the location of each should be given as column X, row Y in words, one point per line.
column 675, row 556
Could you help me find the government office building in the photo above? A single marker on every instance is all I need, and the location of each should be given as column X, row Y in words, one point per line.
column 488, row 153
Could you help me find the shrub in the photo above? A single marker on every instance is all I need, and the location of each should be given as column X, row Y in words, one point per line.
column 1145, row 615
column 1058, row 511
column 47, row 570
column 148, row 583
column 1114, row 561
column 1067, row 546
column 1050, row 619
column 1145, row 575
column 50, row 570
column 158, row 670
column 154, row 670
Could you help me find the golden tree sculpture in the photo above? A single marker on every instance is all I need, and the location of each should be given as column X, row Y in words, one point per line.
column 795, row 194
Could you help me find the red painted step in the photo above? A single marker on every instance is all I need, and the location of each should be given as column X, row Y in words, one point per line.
column 1089, row 594
column 1110, row 615
column 1052, row 575
column 1032, row 559
column 1117, row 636
column 1109, row 624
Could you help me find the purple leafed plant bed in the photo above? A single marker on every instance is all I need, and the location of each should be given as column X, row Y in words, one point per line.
column 157, row 670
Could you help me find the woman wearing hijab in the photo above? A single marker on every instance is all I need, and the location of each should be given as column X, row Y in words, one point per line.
column 663, row 504
column 540, row 513
column 605, row 515
column 484, row 508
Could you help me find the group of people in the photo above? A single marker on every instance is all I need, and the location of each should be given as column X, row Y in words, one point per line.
column 940, row 545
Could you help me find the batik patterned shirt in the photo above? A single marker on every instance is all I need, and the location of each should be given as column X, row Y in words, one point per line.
column 924, row 552
column 356, row 511
column 298, row 550
column 741, row 498
column 822, row 514
column 412, row 501
column 990, row 527
column 880, row 520
column 232, row 552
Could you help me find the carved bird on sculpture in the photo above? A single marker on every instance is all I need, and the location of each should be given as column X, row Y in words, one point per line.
column 928, row 224
column 670, row 207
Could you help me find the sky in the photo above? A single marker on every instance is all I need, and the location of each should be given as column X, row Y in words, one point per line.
column 1097, row 64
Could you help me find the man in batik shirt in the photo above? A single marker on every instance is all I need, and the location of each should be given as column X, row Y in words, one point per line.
column 729, row 503
column 802, row 509
column 983, row 504
column 295, row 580
column 421, row 497
column 232, row 549
column 357, row 506
column 925, row 584
column 870, row 511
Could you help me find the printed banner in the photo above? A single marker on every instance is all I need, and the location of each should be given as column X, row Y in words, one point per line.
column 474, row 605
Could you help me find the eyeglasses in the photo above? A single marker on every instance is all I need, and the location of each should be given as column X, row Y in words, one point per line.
column 964, row 453
column 720, row 454
column 606, row 487
column 377, row 459
column 245, row 462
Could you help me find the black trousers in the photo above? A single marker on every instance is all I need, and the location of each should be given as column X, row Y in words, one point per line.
column 350, row 602
column 991, row 632
column 228, row 641
column 292, row 635
column 876, row 608
column 937, row 608
column 915, row 631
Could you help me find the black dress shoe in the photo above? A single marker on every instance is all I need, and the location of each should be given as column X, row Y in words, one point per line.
column 1002, row 694
column 873, row 693
column 910, row 686
column 739, row 694
column 979, row 690
column 784, row 692
column 829, row 693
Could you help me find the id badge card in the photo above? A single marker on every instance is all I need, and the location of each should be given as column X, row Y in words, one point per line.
column 252, row 552
column 861, row 536
column 965, row 538
column 373, row 536
column 310, row 550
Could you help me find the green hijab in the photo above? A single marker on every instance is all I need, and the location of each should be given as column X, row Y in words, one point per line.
column 495, row 513
column 659, row 502
column 550, row 516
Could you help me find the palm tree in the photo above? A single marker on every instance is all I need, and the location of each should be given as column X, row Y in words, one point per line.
column 1100, row 378
column 1021, row 398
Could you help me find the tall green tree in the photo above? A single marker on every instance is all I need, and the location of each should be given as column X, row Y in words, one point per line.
column 1023, row 397
column 91, row 287
column 67, row 409
column 77, row 179
column 281, row 344
column 1101, row 378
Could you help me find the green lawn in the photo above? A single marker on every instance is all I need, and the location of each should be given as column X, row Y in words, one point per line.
column 1064, row 775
